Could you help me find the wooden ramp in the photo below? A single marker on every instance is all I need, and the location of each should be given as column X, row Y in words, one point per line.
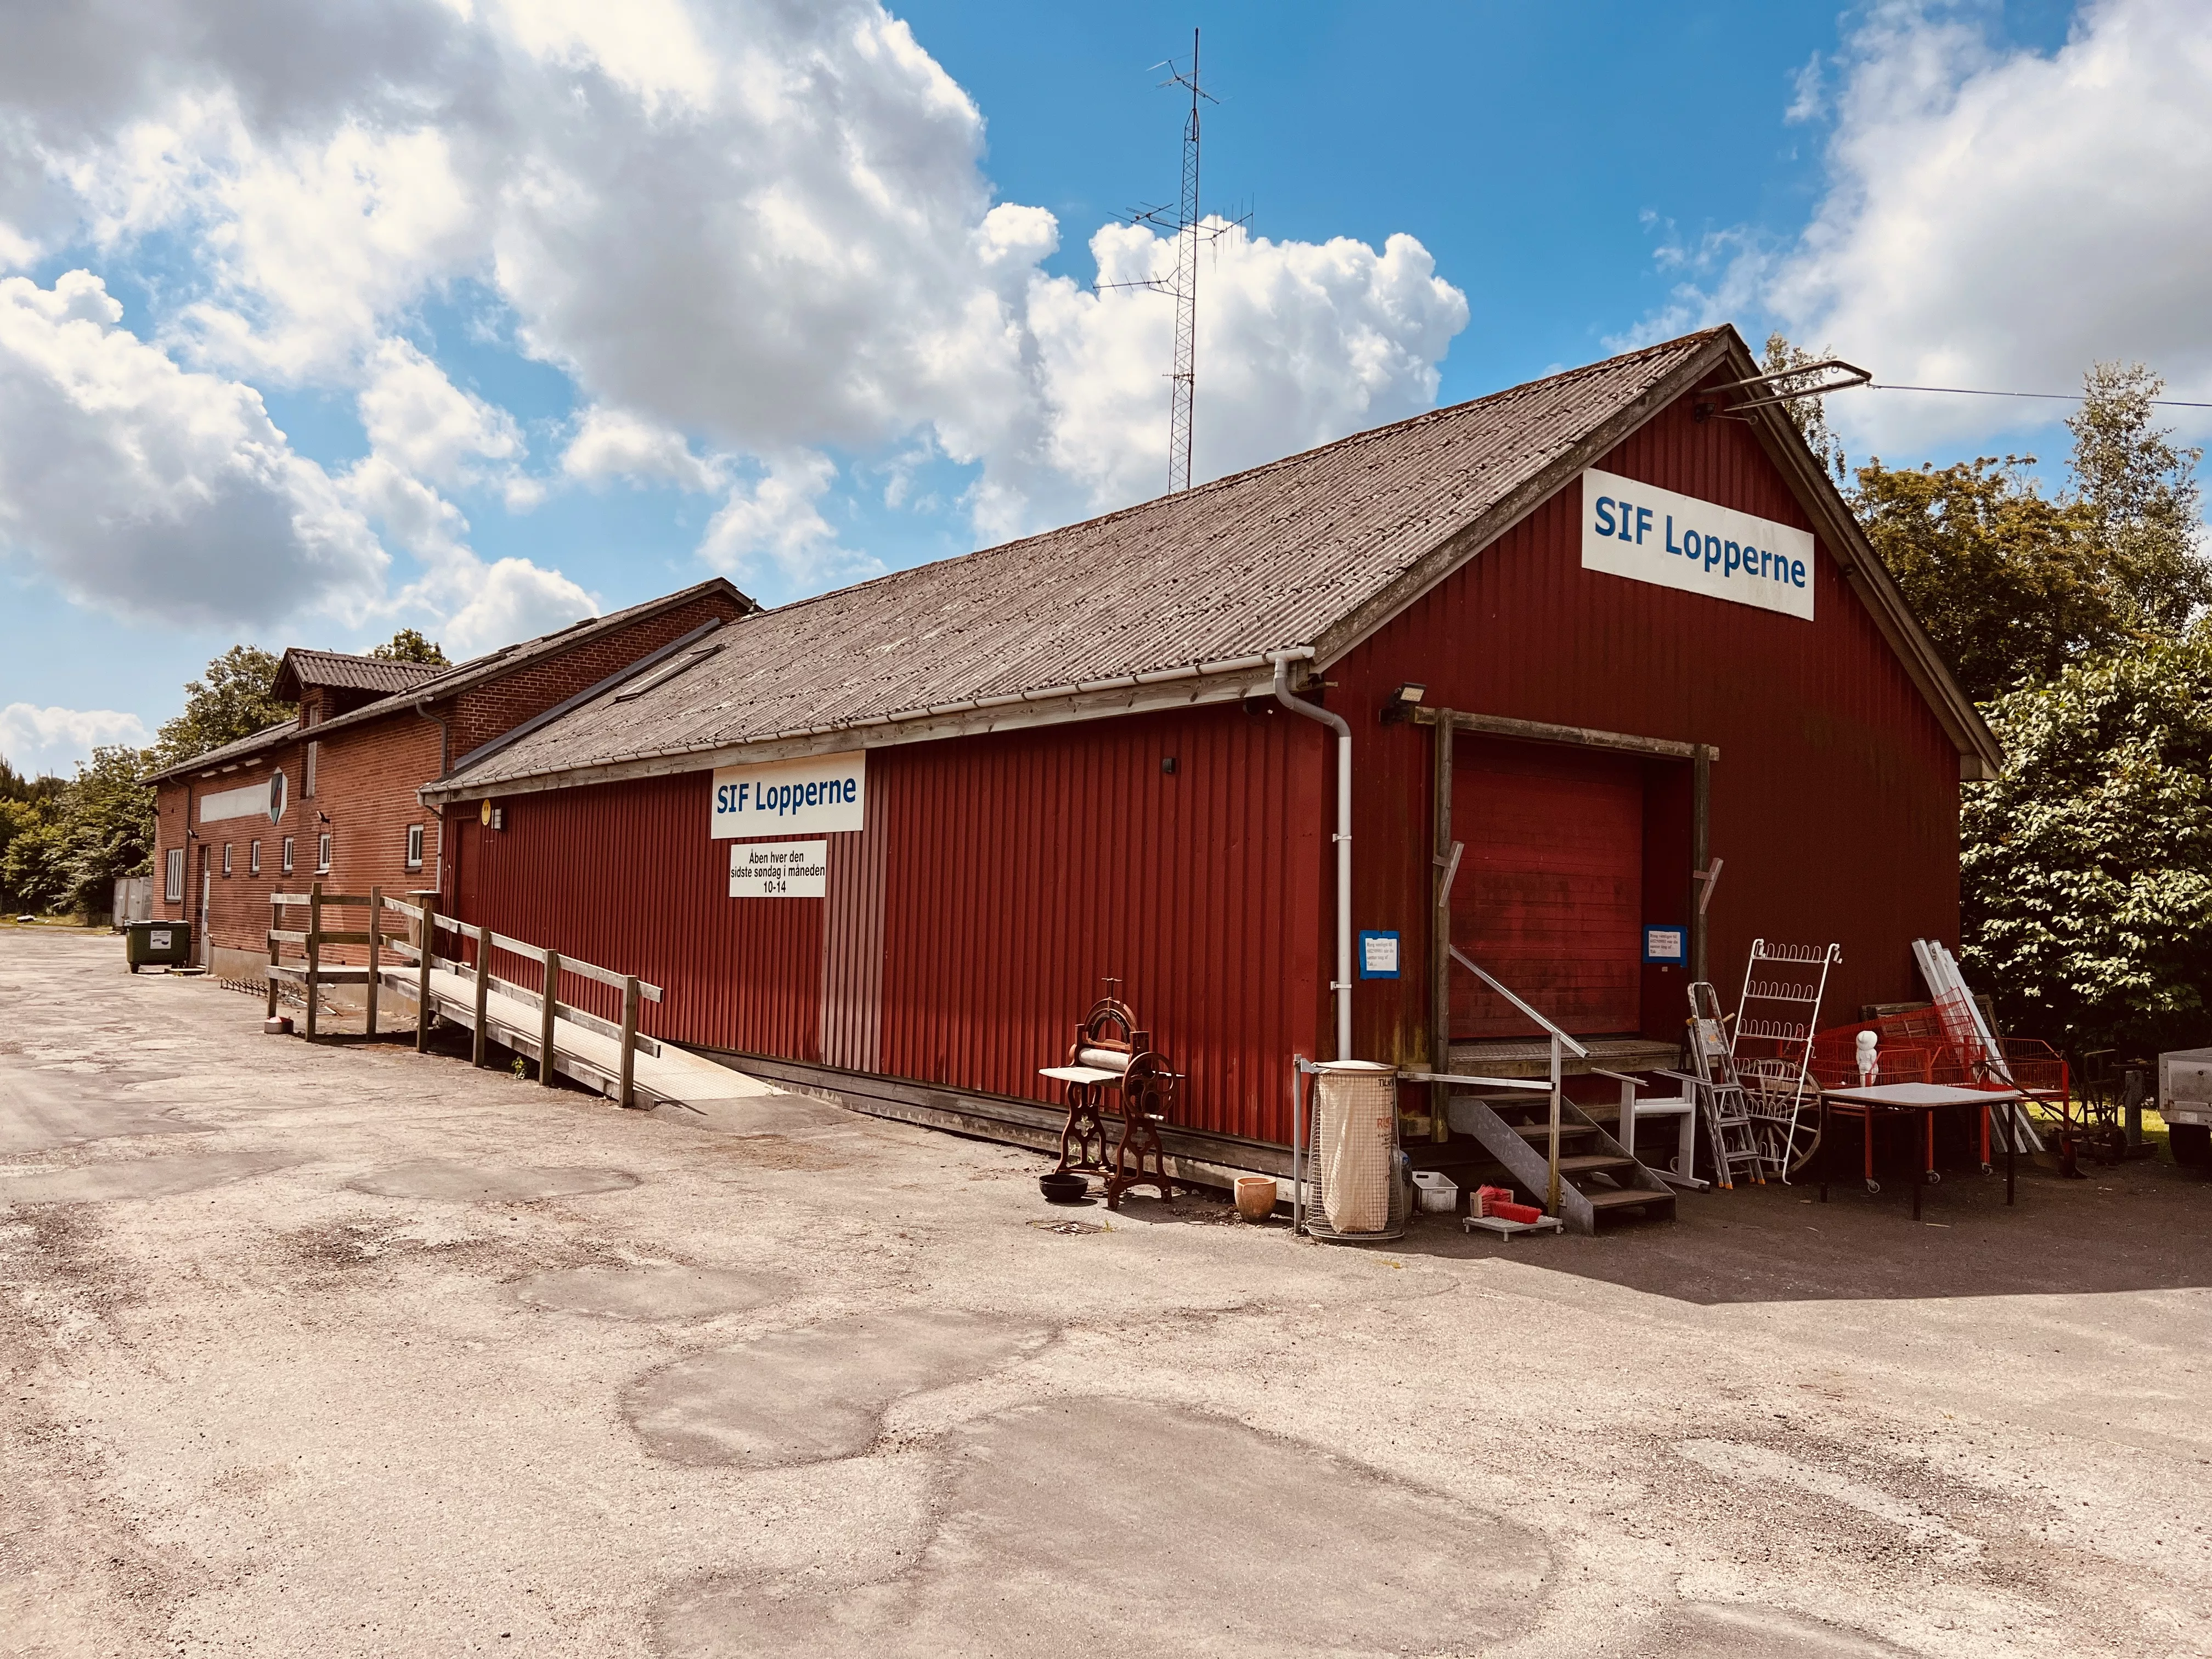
column 661, row 1072
column 615, row 1058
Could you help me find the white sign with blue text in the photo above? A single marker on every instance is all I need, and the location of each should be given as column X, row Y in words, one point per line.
column 1652, row 535
column 821, row 794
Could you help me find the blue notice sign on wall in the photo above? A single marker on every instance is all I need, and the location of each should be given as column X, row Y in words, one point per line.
column 1378, row 955
column 1670, row 946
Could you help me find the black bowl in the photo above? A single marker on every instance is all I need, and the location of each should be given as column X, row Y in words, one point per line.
column 1064, row 1186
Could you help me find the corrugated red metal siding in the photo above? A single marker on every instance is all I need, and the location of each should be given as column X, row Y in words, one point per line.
column 624, row 875
column 1027, row 868
column 1834, row 802
column 1017, row 871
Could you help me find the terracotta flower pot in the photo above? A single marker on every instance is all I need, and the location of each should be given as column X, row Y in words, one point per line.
column 1255, row 1197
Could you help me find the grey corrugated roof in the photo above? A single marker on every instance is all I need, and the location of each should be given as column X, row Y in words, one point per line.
column 451, row 682
column 1263, row 561
column 304, row 668
column 237, row 748
column 423, row 681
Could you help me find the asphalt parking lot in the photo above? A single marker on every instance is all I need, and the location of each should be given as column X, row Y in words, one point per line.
column 340, row 1349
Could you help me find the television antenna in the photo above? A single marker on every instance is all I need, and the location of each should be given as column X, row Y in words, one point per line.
column 1190, row 233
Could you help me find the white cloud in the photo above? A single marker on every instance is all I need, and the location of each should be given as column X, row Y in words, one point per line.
column 2002, row 219
column 614, row 443
column 422, row 422
column 37, row 742
column 142, row 488
column 510, row 599
column 1298, row 344
column 774, row 527
column 750, row 233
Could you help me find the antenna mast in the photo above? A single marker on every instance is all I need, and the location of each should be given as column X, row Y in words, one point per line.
column 1189, row 233
column 1184, row 399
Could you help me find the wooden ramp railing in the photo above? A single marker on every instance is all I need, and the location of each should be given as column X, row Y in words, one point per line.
column 463, row 989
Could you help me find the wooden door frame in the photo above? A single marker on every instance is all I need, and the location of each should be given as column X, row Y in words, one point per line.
column 1448, row 724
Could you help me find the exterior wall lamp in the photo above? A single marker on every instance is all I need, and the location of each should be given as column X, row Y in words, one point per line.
column 1400, row 705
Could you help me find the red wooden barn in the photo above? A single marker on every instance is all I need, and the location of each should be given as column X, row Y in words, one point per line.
column 1655, row 631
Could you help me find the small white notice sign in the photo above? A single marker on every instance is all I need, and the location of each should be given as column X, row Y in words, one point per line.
column 780, row 869
column 1652, row 535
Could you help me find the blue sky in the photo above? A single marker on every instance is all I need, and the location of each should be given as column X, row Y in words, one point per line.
column 522, row 363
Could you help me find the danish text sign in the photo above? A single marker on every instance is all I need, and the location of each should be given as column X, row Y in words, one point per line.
column 820, row 795
column 780, row 869
column 1652, row 535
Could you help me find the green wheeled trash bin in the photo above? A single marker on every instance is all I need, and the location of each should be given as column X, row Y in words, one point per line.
column 158, row 944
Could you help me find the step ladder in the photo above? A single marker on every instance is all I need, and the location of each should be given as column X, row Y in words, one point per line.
column 1737, row 1142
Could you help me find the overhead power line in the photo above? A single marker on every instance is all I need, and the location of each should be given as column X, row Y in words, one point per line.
column 2056, row 397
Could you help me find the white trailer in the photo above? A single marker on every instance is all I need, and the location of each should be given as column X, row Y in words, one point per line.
column 2185, row 1101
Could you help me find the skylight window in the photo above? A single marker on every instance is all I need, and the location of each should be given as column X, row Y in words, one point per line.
column 665, row 672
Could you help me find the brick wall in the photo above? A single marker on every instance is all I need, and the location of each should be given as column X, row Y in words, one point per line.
column 366, row 777
column 482, row 714
column 238, row 904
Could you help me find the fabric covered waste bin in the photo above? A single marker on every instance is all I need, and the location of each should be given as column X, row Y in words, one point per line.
column 1355, row 1143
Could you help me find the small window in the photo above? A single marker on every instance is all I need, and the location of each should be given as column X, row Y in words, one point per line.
column 307, row 773
column 175, row 891
column 414, row 846
column 254, row 858
column 322, row 854
column 226, row 858
column 286, row 855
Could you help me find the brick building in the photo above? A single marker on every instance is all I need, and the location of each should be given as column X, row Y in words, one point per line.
column 331, row 795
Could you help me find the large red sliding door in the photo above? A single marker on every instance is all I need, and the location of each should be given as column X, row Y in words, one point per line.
column 1549, row 895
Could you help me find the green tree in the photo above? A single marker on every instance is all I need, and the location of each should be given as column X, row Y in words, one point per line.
column 2012, row 585
column 2141, row 498
column 233, row 701
column 31, row 866
column 107, row 822
column 2009, row 585
column 1809, row 414
column 409, row 646
column 14, row 786
column 2086, row 867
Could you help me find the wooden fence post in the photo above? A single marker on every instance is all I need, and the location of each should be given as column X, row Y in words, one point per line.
column 483, row 991
column 628, row 1039
column 546, row 1017
column 375, row 956
column 315, row 949
column 430, row 943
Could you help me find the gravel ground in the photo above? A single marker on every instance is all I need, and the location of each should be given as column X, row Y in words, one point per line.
column 344, row 1350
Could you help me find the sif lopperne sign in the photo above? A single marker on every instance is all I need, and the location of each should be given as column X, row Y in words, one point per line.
column 1652, row 535
column 820, row 795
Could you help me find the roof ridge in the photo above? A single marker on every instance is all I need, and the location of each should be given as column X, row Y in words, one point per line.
column 1374, row 433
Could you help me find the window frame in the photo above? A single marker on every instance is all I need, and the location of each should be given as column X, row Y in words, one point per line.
column 308, row 767
column 322, row 854
column 254, row 858
column 416, row 845
column 226, row 858
column 284, row 853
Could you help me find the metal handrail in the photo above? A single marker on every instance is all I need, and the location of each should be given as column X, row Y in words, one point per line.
column 1459, row 957
column 1557, row 1038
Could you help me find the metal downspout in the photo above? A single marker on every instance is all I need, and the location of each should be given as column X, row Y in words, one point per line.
column 422, row 707
column 1340, row 987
